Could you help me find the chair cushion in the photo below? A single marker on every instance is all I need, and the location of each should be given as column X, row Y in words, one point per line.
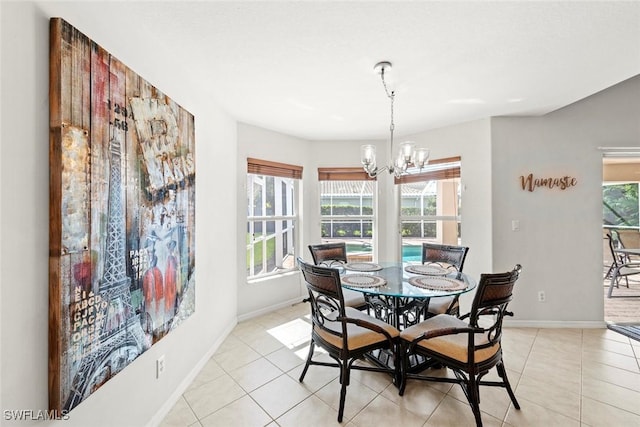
column 439, row 305
column 452, row 346
column 358, row 336
column 353, row 298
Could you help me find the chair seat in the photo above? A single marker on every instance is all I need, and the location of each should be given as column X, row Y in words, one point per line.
column 439, row 305
column 353, row 298
column 452, row 346
column 628, row 271
column 358, row 337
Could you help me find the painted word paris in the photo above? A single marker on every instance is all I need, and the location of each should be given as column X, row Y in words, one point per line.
column 122, row 209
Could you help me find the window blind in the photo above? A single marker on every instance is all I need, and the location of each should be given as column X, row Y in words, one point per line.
column 343, row 174
column 266, row 167
column 436, row 169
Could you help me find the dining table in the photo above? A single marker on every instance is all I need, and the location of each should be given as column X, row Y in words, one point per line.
column 399, row 292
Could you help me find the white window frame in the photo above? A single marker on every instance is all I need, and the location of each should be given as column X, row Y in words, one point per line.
column 279, row 232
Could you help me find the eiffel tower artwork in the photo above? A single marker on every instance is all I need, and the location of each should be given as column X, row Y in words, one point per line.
column 121, row 338
column 122, row 211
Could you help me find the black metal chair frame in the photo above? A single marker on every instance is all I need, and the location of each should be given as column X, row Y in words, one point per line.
column 492, row 297
column 446, row 256
column 327, row 305
column 335, row 255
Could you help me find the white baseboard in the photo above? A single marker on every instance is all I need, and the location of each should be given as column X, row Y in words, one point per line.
column 548, row 324
column 188, row 379
column 269, row 309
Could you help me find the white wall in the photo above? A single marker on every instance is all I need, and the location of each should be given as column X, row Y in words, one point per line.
column 266, row 294
column 24, row 227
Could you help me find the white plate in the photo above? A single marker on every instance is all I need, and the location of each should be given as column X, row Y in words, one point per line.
column 363, row 280
column 430, row 270
column 437, row 283
column 362, row 266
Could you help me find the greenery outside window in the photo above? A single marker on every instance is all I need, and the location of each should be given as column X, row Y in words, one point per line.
column 347, row 211
column 272, row 191
column 620, row 205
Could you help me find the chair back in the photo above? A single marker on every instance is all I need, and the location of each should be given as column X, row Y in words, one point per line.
column 494, row 292
column 628, row 238
column 616, row 259
column 325, row 294
column 454, row 256
column 329, row 253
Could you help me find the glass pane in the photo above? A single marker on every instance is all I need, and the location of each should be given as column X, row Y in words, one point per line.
column 416, row 232
column 270, row 196
column 620, row 204
column 353, row 199
column 256, row 196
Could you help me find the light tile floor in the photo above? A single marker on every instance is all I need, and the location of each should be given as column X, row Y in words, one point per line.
column 561, row 377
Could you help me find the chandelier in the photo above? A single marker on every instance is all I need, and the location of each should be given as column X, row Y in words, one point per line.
column 408, row 155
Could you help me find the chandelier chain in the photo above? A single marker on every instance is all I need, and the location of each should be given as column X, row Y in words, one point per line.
column 391, row 95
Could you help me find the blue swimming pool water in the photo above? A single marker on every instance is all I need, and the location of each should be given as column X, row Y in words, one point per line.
column 409, row 252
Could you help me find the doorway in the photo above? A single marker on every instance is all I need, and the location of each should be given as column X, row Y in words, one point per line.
column 621, row 221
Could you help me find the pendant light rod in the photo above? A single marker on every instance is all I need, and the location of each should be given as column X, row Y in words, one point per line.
column 407, row 154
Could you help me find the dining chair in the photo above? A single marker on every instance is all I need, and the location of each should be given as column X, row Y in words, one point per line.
column 470, row 345
column 329, row 254
column 335, row 255
column 620, row 268
column 345, row 333
column 449, row 257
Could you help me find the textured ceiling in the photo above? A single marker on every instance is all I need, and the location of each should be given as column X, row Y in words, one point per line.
column 306, row 67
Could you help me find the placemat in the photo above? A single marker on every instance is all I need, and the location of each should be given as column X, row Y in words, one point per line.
column 362, row 266
column 363, row 280
column 430, row 270
column 437, row 283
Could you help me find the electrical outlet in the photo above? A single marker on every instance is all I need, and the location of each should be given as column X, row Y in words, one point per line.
column 160, row 366
column 542, row 297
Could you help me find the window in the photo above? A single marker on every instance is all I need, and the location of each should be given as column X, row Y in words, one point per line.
column 620, row 204
column 347, row 210
column 430, row 207
column 272, row 190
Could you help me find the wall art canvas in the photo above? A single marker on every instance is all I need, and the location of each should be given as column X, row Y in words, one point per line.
column 122, row 216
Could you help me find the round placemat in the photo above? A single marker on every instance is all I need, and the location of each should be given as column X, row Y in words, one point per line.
column 430, row 270
column 363, row 280
column 437, row 283
column 362, row 266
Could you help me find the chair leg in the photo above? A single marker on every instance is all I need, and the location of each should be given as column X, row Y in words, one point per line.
column 502, row 372
column 403, row 360
column 614, row 278
column 306, row 366
column 474, row 399
column 344, row 381
column 343, row 395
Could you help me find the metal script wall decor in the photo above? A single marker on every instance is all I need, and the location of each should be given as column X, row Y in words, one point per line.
column 530, row 183
column 122, row 212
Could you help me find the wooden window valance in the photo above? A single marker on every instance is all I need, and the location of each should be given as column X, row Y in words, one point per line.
column 343, row 174
column 436, row 169
column 266, row 167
